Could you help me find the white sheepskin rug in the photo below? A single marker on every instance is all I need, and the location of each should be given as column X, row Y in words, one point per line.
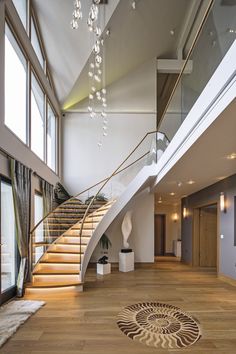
column 13, row 314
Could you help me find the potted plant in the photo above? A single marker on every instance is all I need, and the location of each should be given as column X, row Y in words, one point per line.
column 103, row 266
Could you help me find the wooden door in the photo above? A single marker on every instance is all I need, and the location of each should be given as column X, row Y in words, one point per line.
column 160, row 235
column 208, row 236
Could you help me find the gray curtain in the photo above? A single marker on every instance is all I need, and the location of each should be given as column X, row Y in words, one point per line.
column 47, row 191
column 21, row 187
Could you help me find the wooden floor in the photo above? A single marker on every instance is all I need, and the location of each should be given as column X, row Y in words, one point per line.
column 87, row 323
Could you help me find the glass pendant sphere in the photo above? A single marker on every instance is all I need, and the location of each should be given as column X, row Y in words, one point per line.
column 103, row 114
column 91, row 97
column 98, row 59
column 99, row 72
column 104, row 127
column 99, row 144
column 104, row 99
column 74, row 24
column 104, row 91
column 92, row 65
column 97, row 78
column 105, row 133
column 98, row 31
column 93, row 88
column 90, row 74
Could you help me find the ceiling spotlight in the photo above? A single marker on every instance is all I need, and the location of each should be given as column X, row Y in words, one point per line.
column 231, row 30
column 133, row 5
column 232, row 156
column 172, row 193
column 179, row 184
column 191, row 182
column 159, row 201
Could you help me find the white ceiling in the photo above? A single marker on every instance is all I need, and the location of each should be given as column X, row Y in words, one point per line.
column 67, row 50
column 136, row 37
column 205, row 162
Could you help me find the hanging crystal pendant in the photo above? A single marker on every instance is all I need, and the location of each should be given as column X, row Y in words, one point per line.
column 98, row 31
column 91, row 97
column 74, row 24
column 99, row 144
column 90, row 74
column 105, row 133
column 93, row 88
column 92, row 65
column 103, row 114
column 90, row 109
column 104, row 91
column 98, row 59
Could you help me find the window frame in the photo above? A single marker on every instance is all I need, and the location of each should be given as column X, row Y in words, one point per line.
column 13, row 33
column 11, row 291
column 29, row 70
column 48, row 103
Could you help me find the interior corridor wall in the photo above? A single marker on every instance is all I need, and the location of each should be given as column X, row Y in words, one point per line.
column 227, row 222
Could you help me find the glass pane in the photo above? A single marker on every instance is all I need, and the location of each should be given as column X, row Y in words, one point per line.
column 38, row 215
column 8, row 240
column 21, row 8
column 37, row 118
column 36, row 44
column 15, row 86
column 51, row 139
column 39, row 251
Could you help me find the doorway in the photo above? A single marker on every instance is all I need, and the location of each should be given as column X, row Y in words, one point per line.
column 205, row 236
column 160, row 234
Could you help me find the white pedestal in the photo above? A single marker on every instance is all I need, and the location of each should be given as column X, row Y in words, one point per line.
column 177, row 248
column 126, row 262
column 103, row 268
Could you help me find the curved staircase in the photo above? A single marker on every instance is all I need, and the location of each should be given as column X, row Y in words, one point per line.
column 72, row 231
column 60, row 265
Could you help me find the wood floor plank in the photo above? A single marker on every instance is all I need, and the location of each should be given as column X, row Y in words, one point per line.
column 85, row 323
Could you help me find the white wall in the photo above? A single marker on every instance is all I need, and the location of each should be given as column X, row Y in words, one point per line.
column 131, row 114
column 173, row 229
column 142, row 236
column 84, row 163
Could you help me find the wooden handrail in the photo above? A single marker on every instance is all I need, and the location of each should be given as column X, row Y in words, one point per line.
column 87, row 189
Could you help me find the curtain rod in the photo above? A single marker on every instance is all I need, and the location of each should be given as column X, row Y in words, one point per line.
column 7, row 154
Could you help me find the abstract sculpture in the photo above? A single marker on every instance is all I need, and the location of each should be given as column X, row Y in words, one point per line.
column 126, row 228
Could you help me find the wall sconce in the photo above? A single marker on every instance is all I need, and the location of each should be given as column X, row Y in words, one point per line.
column 185, row 212
column 175, row 217
column 222, row 202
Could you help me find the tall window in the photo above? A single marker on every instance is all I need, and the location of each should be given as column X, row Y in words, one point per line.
column 21, row 8
column 37, row 118
column 8, row 240
column 51, row 138
column 35, row 42
column 15, row 86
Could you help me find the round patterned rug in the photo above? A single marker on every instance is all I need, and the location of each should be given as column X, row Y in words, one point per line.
column 159, row 325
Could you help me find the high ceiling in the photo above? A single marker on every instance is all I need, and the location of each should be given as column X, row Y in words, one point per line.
column 136, row 37
column 205, row 163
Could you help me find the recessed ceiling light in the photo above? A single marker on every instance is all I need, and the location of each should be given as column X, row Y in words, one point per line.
column 232, row 156
column 172, row 193
column 191, row 181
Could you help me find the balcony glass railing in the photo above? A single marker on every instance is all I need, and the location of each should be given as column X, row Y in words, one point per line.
column 216, row 35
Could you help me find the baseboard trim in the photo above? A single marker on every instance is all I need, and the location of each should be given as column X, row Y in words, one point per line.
column 227, row 279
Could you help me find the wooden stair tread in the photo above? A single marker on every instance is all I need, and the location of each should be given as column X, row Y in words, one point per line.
column 56, row 272
column 46, row 261
column 53, row 285
column 63, row 252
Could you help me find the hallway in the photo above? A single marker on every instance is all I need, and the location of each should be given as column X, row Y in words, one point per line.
column 87, row 323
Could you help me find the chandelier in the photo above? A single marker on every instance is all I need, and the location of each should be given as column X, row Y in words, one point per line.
column 97, row 96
